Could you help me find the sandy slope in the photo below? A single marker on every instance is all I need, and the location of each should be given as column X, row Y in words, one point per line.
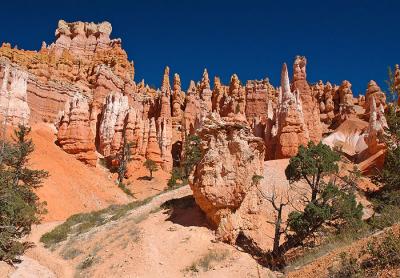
column 72, row 187
column 148, row 242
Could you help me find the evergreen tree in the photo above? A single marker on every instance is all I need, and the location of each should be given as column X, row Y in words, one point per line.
column 20, row 207
column 329, row 206
column 389, row 178
column 192, row 155
column 151, row 166
column 312, row 164
column 123, row 158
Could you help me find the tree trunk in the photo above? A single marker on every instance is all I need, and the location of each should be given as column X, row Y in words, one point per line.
column 277, row 235
column 314, row 195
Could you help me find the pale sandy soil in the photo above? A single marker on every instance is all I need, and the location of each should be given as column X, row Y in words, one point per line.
column 148, row 242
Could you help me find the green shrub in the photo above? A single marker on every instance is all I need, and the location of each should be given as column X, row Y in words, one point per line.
column 207, row 260
column 385, row 253
column 87, row 262
column 126, row 190
column 387, row 216
column 151, row 166
column 83, row 222
column 348, row 267
column 175, row 176
column 70, row 253
column 378, row 255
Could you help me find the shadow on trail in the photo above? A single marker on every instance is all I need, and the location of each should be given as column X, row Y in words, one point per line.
column 184, row 211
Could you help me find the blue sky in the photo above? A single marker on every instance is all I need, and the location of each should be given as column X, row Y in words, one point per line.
column 353, row 40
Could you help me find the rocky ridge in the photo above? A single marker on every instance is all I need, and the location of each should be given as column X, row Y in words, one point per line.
column 84, row 69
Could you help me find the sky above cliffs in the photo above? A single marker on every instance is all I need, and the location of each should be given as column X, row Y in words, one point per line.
column 353, row 40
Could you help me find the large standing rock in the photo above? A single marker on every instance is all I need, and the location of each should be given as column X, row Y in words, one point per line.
column 191, row 118
column 164, row 123
column 324, row 94
column 310, row 106
column 374, row 157
column 219, row 93
column 178, row 98
column 205, row 95
column 346, row 105
column 234, row 101
column 222, row 182
column 290, row 121
column 165, row 85
column 374, row 91
column 74, row 133
column 376, row 128
column 153, row 151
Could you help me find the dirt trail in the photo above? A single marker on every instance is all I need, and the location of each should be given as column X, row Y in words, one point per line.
column 41, row 262
column 32, row 268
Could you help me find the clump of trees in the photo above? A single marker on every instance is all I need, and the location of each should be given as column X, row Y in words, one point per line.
column 324, row 206
column 191, row 156
column 330, row 205
column 20, row 207
column 381, row 254
column 387, row 198
column 388, row 178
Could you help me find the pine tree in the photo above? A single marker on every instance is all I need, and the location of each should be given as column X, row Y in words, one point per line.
column 312, row 164
column 123, row 158
column 20, row 207
column 192, row 154
column 328, row 205
column 389, row 178
column 151, row 166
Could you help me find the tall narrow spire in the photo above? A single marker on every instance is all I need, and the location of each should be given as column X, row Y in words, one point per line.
column 165, row 86
column 177, row 83
column 285, row 84
column 205, row 81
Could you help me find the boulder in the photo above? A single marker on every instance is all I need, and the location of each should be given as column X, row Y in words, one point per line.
column 222, row 181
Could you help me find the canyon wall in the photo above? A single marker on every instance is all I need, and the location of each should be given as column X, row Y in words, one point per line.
column 84, row 83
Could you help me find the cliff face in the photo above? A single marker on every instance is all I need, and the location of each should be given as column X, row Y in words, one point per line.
column 85, row 75
column 83, row 58
column 13, row 95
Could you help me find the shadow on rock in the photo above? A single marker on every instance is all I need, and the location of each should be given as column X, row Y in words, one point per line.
column 144, row 178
